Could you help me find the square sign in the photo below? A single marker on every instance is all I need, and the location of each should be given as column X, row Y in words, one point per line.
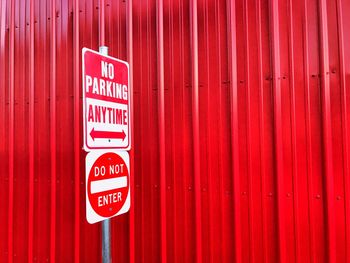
column 107, row 184
column 106, row 102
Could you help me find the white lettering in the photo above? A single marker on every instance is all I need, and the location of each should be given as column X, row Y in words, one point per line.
column 102, row 87
column 88, row 80
column 111, row 71
column 95, row 88
column 100, row 170
column 109, row 199
column 104, row 69
column 97, row 171
column 125, row 92
column 116, row 169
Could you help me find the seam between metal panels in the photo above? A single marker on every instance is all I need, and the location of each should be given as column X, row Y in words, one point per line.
column 132, row 156
column 327, row 131
column 3, row 115
column 195, row 127
column 161, row 124
column 345, row 120
column 308, row 129
column 276, row 64
column 173, row 143
column 11, row 128
column 4, row 86
column 185, row 161
column 262, row 132
column 206, row 113
column 231, row 26
column 31, row 135
column 292, row 93
column 222, row 183
column 53, row 131
column 248, row 131
column 101, row 23
column 149, row 112
column 76, row 119
column 142, row 143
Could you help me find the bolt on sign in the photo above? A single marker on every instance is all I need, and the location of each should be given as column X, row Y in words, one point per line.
column 106, row 102
column 107, row 185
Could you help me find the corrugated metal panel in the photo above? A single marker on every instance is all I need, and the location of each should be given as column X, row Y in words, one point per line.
column 241, row 130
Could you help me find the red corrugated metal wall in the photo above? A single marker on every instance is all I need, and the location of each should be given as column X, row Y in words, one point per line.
column 241, row 130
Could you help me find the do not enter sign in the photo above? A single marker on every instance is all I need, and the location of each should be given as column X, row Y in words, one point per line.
column 107, row 185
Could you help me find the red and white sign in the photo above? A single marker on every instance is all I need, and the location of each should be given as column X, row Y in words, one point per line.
column 107, row 185
column 106, row 102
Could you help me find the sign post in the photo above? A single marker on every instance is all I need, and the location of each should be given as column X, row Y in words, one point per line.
column 106, row 224
column 106, row 128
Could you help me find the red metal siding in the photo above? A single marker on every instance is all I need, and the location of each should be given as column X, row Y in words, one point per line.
column 241, row 130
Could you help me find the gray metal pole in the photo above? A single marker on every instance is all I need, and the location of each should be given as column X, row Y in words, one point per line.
column 106, row 224
column 106, row 241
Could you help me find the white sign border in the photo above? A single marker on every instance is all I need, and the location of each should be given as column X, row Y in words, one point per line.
column 91, row 216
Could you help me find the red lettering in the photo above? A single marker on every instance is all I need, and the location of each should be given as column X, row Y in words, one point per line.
column 104, row 114
column 91, row 114
column 118, row 116
column 125, row 117
column 97, row 114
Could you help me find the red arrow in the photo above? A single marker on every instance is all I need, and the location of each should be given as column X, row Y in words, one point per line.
column 107, row 134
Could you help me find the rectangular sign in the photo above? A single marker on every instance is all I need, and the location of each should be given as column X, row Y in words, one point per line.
column 106, row 102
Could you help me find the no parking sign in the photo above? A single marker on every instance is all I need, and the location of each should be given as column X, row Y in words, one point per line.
column 106, row 102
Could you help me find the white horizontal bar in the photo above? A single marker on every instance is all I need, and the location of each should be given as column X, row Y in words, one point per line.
column 108, row 184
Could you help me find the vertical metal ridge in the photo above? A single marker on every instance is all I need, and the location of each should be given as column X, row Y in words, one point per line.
column 142, row 143
column 195, row 127
column 207, row 113
column 161, row 125
column 224, row 257
column 31, row 135
column 76, row 118
column 327, row 130
column 173, row 140
column 11, row 127
column 53, row 131
column 292, row 93
column 129, row 25
column 308, row 130
column 3, row 88
column 274, row 27
column 101, row 23
column 345, row 122
column 262, row 132
column 119, row 28
column 186, row 181
column 148, row 125
column 232, row 40
column 248, row 131
column 3, row 147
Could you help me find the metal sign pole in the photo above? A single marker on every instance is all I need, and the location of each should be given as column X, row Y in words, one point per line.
column 106, row 224
column 106, row 241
